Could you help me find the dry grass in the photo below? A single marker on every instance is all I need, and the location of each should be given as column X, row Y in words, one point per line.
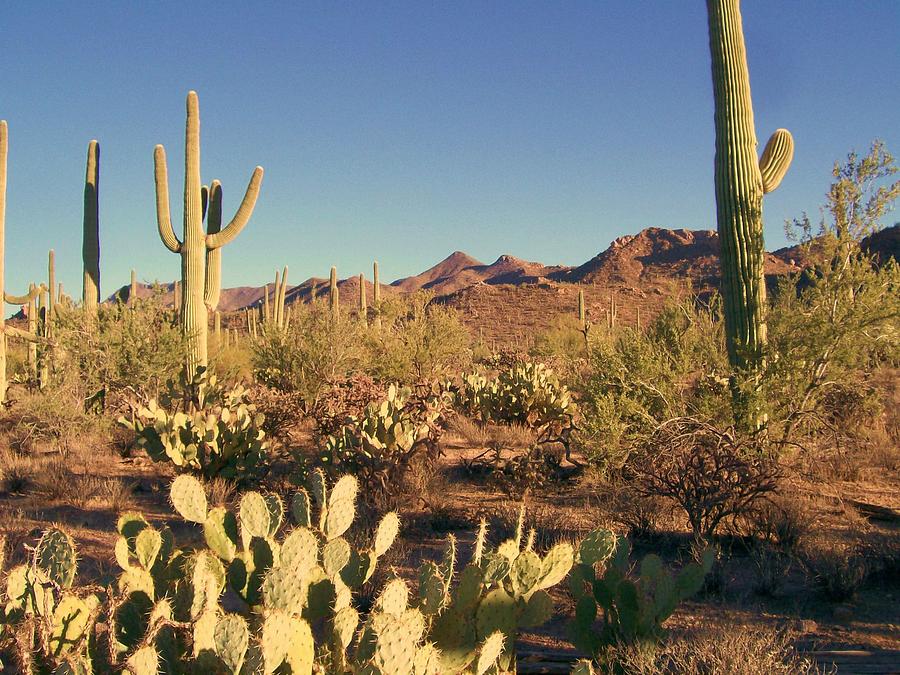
column 716, row 652
column 838, row 570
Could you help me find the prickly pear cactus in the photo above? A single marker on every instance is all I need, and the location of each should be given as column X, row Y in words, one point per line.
column 634, row 608
column 221, row 437
column 528, row 394
column 499, row 591
column 378, row 446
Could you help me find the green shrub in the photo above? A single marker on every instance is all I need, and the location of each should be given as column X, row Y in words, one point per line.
column 638, row 380
column 218, row 435
column 129, row 350
column 316, row 349
column 416, row 340
column 838, row 320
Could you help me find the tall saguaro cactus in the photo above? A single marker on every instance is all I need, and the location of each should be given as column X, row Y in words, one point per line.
column 90, row 246
column 196, row 244
column 4, row 146
column 741, row 180
column 333, row 297
column 376, row 286
column 363, row 310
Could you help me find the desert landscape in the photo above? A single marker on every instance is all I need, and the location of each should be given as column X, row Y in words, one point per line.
column 680, row 456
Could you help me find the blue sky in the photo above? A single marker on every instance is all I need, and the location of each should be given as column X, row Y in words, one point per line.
column 401, row 131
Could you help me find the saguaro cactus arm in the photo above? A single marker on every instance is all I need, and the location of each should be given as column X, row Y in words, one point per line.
column 776, row 159
column 163, row 214
column 213, row 289
column 23, row 299
column 245, row 210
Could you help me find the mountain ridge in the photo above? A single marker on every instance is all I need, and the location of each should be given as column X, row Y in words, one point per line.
column 647, row 258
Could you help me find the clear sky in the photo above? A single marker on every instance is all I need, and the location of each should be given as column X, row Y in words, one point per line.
column 402, row 131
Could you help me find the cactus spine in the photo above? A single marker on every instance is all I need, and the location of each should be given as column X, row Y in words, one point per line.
column 741, row 180
column 333, row 298
column 196, row 243
column 90, row 247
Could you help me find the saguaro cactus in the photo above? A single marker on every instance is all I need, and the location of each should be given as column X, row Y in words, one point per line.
column 90, row 246
column 196, row 244
column 741, row 180
column 133, row 289
column 4, row 146
column 333, row 297
column 51, row 287
column 376, row 291
column 363, row 310
column 582, row 314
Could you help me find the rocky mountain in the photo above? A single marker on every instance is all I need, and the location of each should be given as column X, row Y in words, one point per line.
column 636, row 271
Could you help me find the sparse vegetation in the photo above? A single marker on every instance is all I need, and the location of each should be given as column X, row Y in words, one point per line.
column 616, row 463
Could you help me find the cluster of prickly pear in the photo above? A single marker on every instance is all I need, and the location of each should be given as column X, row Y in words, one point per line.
column 634, row 609
column 53, row 621
column 298, row 584
column 222, row 436
column 394, row 639
column 528, row 394
column 386, row 436
column 503, row 590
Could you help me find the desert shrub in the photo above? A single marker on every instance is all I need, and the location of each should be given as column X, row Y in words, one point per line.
column 837, row 321
column 712, row 474
column 215, row 433
column 564, row 345
column 509, row 455
column 127, row 351
column 640, row 379
column 317, row 348
column 838, row 570
column 416, row 339
column 639, row 513
column 231, row 360
column 780, row 521
column 283, row 410
column 726, row 651
column 380, row 445
column 52, row 419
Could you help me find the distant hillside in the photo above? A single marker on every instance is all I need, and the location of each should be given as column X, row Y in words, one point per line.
column 511, row 299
